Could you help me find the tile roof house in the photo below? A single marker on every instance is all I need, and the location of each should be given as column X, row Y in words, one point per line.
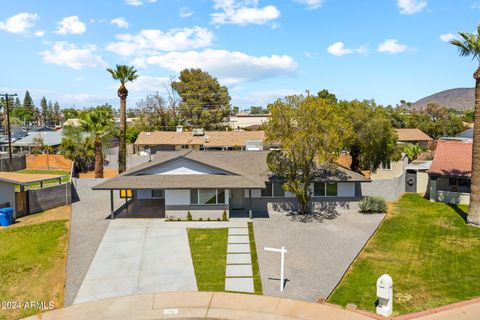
column 208, row 183
column 450, row 172
column 413, row 135
column 198, row 139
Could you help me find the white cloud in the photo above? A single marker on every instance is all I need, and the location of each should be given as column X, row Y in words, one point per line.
column 154, row 41
column 120, row 22
column 392, row 46
column 447, row 37
column 19, row 23
column 311, row 4
column 70, row 55
column 230, row 67
column 185, row 12
column 338, row 49
column 39, row 33
column 71, row 25
column 148, row 83
column 411, row 6
column 243, row 12
column 137, row 3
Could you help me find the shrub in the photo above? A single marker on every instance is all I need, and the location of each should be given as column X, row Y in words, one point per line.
column 189, row 216
column 208, row 219
column 224, row 216
column 218, row 219
column 200, row 219
column 373, row 205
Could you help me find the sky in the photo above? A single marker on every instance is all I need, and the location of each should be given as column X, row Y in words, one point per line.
column 386, row 50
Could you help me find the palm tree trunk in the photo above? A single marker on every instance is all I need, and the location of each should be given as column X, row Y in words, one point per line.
column 122, row 150
column 474, row 209
column 98, row 157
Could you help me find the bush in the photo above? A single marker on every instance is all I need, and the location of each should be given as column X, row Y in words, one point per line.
column 200, row 219
column 189, row 216
column 224, row 216
column 373, row 205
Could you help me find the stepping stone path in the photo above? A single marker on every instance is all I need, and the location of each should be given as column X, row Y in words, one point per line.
column 239, row 274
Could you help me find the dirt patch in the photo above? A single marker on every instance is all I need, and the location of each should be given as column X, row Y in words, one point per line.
column 60, row 213
column 107, row 173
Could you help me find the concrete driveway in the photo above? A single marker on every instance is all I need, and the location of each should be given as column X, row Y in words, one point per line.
column 136, row 257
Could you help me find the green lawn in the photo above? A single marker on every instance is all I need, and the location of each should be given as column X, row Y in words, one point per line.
column 257, row 281
column 65, row 178
column 32, row 265
column 431, row 254
column 208, row 247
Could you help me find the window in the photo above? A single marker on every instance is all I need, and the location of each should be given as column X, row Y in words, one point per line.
column 207, row 196
column 157, row 193
column 273, row 190
column 325, row 189
column 185, row 146
column 126, row 194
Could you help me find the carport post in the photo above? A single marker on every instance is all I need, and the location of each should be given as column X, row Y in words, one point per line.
column 111, row 205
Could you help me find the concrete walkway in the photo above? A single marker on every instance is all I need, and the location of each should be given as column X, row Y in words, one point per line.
column 139, row 256
column 201, row 305
column 239, row 273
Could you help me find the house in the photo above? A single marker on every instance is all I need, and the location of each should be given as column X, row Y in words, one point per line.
column 450, row 172
column 29, row 142
column 413, row 136
column 244, row 120
column 207, row 184
column 199, row 139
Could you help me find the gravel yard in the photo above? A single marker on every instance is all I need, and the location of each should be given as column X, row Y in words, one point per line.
column 320, row 250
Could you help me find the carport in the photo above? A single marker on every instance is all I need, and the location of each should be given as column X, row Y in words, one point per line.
column 142, row 208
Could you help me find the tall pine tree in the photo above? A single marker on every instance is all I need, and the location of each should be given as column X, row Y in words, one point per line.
column 29, row 107
column 56, row 113
column 44, row 110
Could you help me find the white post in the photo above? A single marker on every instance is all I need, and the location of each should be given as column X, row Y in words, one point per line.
column 282, row 251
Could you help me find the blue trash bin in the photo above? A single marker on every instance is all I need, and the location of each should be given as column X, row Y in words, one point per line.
column 6, row 216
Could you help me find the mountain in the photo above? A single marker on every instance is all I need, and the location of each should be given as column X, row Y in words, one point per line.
column 458, row 99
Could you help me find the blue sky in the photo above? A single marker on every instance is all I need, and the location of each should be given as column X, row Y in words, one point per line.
column 385, row 50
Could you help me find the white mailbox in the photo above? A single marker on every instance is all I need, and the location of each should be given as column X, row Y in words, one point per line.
column 385, row 295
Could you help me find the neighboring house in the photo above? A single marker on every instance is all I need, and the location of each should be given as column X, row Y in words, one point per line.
column 243, row 120
column 413, row 136
column 27, row 143
column 198, row 139
column 206, row 184
column 467, row 134
column 416, row 177
column 450, row 172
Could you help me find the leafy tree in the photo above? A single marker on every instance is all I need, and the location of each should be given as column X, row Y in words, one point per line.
column 235, row 110
column 28, row 106
column 307, row 129
column 156, row 113
column 99, row 123
column 70, row 113
column 469, row 45
column 132, row 134
column 412, row 151
column 204, row 101
column 368, row 134
column 44, row 110
column 123, row 74
column 326, row 95
column 78, row 147
column 258, row 110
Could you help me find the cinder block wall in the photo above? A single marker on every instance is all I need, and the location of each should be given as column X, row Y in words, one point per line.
column 48, row 162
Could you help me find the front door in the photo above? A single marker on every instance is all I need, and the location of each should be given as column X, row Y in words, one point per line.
column 411, row 181
column 237, row 199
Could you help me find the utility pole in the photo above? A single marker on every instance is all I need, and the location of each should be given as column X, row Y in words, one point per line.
column 9, row 132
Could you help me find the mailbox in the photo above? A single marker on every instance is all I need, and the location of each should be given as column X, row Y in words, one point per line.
column 385, row 295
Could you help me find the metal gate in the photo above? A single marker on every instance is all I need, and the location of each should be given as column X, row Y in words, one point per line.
column 411, row 181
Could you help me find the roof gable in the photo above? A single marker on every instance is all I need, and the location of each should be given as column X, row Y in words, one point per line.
column 183, row 166
column 412, row 134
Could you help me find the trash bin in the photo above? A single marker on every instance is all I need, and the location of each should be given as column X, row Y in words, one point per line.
column 6, row 216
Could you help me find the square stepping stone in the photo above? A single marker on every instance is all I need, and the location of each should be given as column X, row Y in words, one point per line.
column 238, row 248
column 238, row 239
column 238, row 231
column 239, row 258
column 239, row 270
column 239, row 285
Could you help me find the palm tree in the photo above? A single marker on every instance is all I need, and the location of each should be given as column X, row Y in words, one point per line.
column 99, row 122
column 469, row 45
column 123, row 74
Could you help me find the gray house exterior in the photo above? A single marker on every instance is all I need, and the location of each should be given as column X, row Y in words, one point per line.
column 207, row 184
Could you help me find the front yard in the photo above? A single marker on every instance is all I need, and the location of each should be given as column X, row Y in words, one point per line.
column 32, row 263
column 427, row 248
